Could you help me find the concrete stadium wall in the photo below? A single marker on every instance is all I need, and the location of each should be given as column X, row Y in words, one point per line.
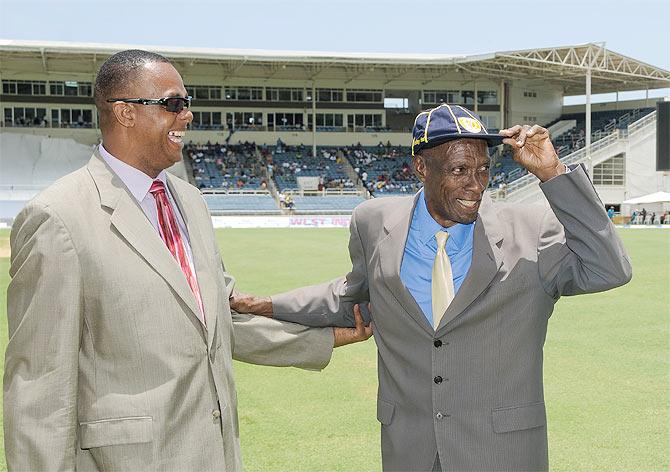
column 641, row 175
column 545, row 107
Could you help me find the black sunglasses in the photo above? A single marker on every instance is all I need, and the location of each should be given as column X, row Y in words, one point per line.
column 171, row 104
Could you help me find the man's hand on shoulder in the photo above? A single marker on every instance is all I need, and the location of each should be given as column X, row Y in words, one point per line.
column 533, row 150
column 360, row 332
column 247, row 303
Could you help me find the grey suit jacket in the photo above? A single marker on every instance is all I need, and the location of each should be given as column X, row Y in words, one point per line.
column 107, row 366
column 472, row 390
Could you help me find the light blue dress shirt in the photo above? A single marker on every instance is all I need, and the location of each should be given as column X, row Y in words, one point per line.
column 416, row 269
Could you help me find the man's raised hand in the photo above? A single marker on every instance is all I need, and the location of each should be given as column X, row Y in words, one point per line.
column 533, row 150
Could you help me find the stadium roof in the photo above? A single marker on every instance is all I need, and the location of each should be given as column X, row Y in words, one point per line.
column 565, row 66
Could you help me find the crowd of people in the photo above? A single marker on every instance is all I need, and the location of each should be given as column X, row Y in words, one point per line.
column 236, row 165
column 644, row 217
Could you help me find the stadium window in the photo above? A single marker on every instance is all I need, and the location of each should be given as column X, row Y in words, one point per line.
column 396, row 103
column 286, row 121
column 530, row 94
column 274, row 94
column 20, row 116
column 250, row 93
column 74, row 118
column 244, row 120
column 244, row 93
column 24, row 87
column 468, row 97
column 204, row 92
column 364, row 95
column 327, row 121
column 56, row 88
column 487, row 97
column 364, row 121
column 441, row 96
column 8, row 88
column 71, row 89
column 85, row 89
column 612, row 172
column 329, row 95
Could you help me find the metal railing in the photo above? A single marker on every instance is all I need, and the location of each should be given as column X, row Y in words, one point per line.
column 234, row 191
column 328, row 192
column 573, row 158
column 641, row 123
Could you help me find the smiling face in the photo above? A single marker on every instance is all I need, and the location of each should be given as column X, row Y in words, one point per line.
column 455, row 175
column 150, row 138
column 160, row 132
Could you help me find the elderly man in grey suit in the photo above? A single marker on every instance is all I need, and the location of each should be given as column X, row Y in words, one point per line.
column 461, row 292
column 121, row 337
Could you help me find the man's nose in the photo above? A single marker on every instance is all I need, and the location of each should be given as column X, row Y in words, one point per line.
column 476, row 183
column 185, row 115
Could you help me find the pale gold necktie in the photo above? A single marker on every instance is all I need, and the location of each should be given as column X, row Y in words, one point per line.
column 443, row 279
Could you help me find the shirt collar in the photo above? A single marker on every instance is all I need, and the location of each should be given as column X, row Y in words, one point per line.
column 137, row 182
column 426, row 226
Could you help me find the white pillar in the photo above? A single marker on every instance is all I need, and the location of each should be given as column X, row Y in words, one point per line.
column 313, row 119
column 588, row 120
column 476, row 108
column 501, row 101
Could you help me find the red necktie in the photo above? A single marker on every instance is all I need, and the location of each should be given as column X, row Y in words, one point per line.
column 169, row 231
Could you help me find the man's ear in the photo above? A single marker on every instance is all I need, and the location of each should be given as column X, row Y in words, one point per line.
column 419, row 163
column 124, row 113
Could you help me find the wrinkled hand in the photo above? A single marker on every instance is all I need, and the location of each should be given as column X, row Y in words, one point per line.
column 533, row 150
column 247, row 303
column 360, row 332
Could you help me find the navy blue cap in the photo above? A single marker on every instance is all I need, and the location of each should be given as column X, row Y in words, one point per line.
column 446, row 123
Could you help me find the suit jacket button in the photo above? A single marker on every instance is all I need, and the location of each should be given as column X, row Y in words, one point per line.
column 437, row 343
column 437, row 380
column 439, row 415
column 216, row 414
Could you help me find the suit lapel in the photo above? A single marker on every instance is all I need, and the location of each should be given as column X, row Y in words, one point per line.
column 391, row 250
column 133, row 225
column 487, row 258
column 203, row 269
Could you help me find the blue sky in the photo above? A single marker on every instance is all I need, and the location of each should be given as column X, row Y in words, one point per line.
column 635, row 28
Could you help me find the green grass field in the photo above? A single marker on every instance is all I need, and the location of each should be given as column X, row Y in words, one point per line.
column 607, row 366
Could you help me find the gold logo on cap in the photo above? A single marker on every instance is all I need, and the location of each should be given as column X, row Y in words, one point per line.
column 470, row 124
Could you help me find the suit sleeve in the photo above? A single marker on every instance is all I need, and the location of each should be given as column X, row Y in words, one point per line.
column 265, row 341
column 329, row 304
column 579, row 250
column 44, row 309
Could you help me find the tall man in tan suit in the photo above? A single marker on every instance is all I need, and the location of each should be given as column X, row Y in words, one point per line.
column 121, row 334
column 462, row 290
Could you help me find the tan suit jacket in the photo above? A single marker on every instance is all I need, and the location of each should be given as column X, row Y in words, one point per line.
column 108, row 366
column 470, row 391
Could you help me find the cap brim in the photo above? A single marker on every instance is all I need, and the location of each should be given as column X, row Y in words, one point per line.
column 492, row 140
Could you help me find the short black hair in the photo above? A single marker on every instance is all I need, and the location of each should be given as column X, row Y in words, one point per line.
column 117, row 71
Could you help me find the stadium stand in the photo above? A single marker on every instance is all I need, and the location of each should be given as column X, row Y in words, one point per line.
column 384, row 170
column 287, row 163
column 225, row 166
